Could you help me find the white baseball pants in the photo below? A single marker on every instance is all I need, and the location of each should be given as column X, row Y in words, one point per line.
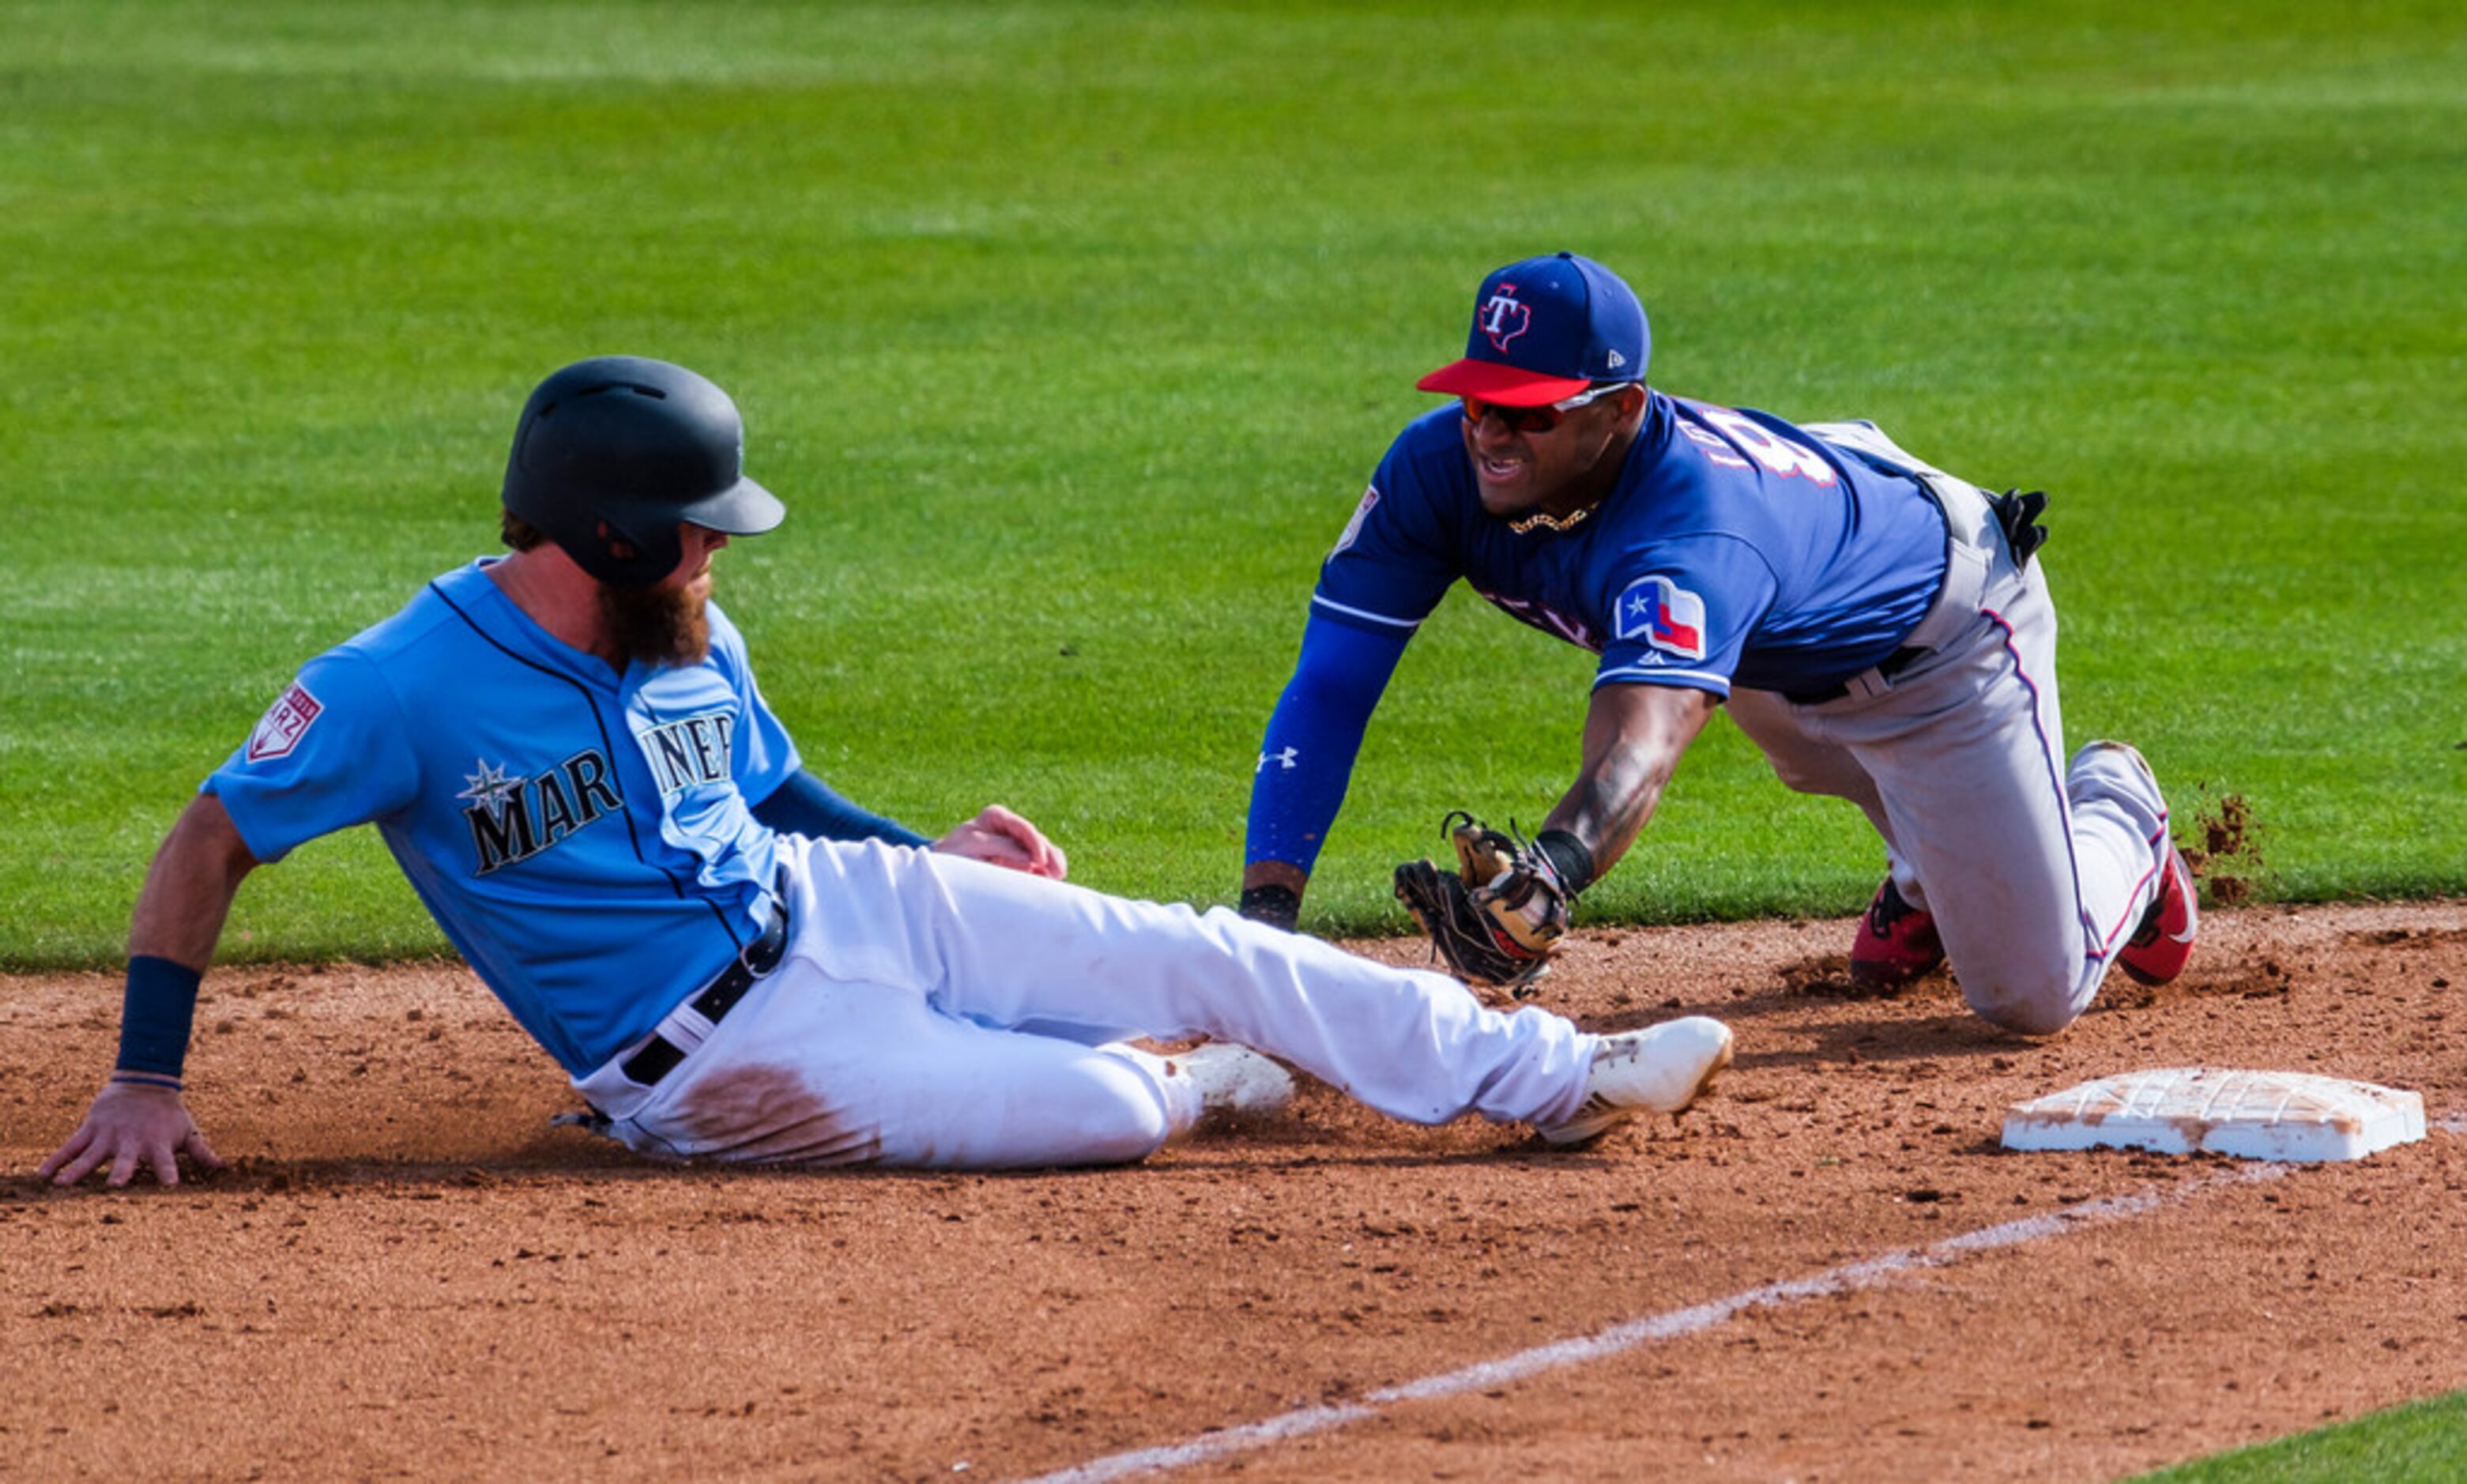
column 933, row 1011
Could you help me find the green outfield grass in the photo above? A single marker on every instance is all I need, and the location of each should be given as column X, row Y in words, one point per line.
column 1071, row 333
column 2417, row 1444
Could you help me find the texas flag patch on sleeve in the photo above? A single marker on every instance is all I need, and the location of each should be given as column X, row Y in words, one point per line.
column 285, row 723
column 1353, row 527
column 1665, row 616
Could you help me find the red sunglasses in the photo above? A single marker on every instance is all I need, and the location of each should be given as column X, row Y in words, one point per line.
column 1536, row 420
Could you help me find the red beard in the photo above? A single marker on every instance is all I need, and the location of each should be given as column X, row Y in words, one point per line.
column 659, row 625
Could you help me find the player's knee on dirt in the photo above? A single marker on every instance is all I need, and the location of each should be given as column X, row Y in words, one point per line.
column 2027, row 1007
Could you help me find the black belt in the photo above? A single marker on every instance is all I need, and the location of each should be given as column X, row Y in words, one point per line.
column 659, row 1055
column 1887, row 668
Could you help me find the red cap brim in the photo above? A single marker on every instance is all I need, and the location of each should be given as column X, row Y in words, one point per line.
column 1506, row 385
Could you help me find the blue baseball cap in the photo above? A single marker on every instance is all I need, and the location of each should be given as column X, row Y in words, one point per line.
column 1547, row 329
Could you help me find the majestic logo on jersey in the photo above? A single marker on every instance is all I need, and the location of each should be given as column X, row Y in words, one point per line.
column 1361, row 513
column 1542, row 616
column 513, row 819
column 683, row 753
column 1664, row 616
column 1504, row 317
column 285, row 723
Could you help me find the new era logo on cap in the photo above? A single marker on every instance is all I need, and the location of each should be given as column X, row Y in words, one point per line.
column 1546, row 328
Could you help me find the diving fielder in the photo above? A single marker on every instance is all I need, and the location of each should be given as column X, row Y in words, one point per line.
column 568, row 756
column 1875, row 625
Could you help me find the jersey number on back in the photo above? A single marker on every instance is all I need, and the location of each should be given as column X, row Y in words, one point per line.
column 1775, row 453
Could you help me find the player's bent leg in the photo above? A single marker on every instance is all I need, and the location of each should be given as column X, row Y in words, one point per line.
column 813, row 1072
column 985, row 1099
column 2039, row 867
column 2121, row 857
column 2006, row 903
column 1966, row 753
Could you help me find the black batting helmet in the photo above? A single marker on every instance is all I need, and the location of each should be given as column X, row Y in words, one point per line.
column 612, row 452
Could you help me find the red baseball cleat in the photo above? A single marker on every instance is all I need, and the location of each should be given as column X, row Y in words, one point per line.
column 2160, row 948
column 1896, row 943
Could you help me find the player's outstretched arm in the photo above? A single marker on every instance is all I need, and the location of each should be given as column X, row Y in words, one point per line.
column 138, row 1121
column 998, row 837
column 1306, row 758
column 1634, row 736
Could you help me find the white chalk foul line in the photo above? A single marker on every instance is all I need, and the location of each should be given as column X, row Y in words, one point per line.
column 1490, row 1375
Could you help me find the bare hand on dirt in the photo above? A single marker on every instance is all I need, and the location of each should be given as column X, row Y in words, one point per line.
column 133, row 1126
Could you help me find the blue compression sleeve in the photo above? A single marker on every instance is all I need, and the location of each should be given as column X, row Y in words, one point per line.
column 805, row 805
column 1307, row 756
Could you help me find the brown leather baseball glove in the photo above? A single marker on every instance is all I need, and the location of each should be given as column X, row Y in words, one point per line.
column 1496, row 917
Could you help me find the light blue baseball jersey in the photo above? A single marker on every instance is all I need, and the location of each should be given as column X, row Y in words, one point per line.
column 1733, row 549
column 582, row 835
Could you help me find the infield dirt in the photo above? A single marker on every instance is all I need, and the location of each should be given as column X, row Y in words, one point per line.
column 409, row 1273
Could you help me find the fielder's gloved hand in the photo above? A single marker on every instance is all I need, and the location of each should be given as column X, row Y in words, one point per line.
column 2016, row 510
column 1498, row 916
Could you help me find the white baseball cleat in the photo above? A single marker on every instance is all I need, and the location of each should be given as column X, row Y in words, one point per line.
column 1233, row 1081
column 1661, row 1068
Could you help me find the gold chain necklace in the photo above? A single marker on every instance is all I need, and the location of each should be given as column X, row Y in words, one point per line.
column 1551, row 521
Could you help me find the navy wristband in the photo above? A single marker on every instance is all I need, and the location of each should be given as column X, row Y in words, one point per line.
column 1569, row 857
column 156, row 1014
column 1279, row 907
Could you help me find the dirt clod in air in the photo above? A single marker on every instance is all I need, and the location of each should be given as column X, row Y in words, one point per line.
column 2225, row 851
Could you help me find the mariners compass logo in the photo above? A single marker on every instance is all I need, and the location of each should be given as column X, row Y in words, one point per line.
column 489, row 786
column 514, row 818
